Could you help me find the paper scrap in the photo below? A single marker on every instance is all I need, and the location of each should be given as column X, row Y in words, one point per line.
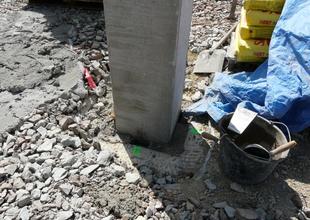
column 241, row 119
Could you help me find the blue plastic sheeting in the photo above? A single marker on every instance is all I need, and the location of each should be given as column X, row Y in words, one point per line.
column 280, row 87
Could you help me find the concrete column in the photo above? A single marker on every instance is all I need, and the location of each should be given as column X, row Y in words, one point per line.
column 148, row 43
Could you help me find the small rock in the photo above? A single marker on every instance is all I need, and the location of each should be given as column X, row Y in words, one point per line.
column 79, row 192
column 24, row 214
column 77, row 164
column 59, row 173
column 29, row 187
column 64, row 215
column 190, row 206
column 230, row 212
column 105, row 157
column 132, row 178
column 220, row 205
column 110, row 217
column 261, row 214
column 30, row 132
column 236, row 187
column 220, row 213
column 80, row 90
column 65, row 205
column 197, row 96
column 141, row 218
column 34, row 119
column 47, row 145
column 10, row 139
column 69, row 141
column 45, row 198
column 279, row 214
column 26, row 126
column 41, row 123
column 45, row 51
column 40, row 185
column 102, row 202
column 10, row 169
column 18, row 183
column 95, row 45
column 144, row 183
column 65, row 122
column 159, row 205
column 185, row 215
column 117, row 170
column 88, row 170
column 46, row 172
column 100, row 91
column 11, row 197
column 12, row 212
column 248, row 214
column 161, row 181
column 24, row 201
column 195, row 201
column 36, row 194
column 66, row 188
column 148, row 212
column 42, row 131
column 211, row 186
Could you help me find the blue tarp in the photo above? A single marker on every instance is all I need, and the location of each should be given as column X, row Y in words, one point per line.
column 280, row 87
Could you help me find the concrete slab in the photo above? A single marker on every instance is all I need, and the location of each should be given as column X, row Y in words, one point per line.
column 207, row 63
column 26, row 80
column 14, row 107
column 148, row 42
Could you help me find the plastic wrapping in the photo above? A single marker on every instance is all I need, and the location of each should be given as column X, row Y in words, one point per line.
column 280, row 88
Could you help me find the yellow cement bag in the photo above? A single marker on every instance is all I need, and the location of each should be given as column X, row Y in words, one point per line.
column 251, row 50
column 254, row 32
column 260, row 18
column 269, row 5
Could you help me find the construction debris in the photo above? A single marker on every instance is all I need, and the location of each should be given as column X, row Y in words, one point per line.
column 62, row 158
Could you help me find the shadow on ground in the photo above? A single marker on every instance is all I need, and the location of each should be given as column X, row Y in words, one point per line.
column 65, row 21
column 193, row 193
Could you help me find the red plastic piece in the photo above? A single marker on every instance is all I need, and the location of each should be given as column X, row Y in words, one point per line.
column 89, row 78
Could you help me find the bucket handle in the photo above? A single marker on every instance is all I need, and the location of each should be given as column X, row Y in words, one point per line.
column 285, row 126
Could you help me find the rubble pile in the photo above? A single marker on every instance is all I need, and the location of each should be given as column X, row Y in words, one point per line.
column 54, row 166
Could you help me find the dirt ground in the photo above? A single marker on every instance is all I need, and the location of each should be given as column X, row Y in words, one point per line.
column 61, row 157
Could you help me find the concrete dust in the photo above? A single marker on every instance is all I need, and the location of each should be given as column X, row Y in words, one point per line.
column 35, row 66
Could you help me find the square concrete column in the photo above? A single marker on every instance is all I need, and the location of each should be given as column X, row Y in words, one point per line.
column 148, row 43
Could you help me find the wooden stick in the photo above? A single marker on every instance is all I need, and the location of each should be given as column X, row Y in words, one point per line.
column 223, row 38
column 232, row 10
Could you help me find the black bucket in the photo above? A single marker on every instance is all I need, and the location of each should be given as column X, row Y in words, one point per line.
column 238, row 165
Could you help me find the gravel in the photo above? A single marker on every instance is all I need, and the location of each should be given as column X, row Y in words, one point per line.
column 132, row 178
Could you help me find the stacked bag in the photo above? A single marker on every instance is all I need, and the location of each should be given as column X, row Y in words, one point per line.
column 258, row 19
